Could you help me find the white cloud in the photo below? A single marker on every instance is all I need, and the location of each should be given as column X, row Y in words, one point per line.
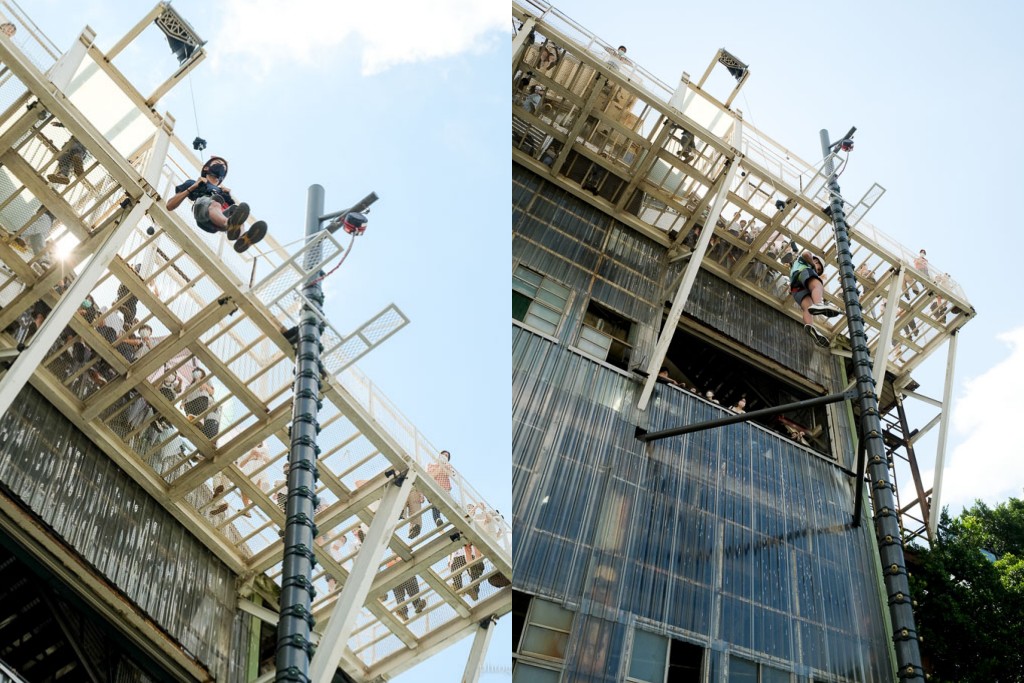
column 270, row 34
column 988, row 463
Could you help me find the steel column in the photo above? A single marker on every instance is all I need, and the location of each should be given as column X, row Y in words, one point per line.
column 475, row 661
column 294, row 648
column 683, row 293
column 940, row 456
column 892, row 307
column 887, row 529
column 357, row 587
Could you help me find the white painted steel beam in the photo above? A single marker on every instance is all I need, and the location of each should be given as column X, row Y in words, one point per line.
column 31, row 358
column 685, row 286
column 475, row 661
column 357, row 586
column 892, row 307
column 940, row 456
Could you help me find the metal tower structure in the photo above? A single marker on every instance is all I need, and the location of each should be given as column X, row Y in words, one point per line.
column 667, row 159
column 704, row 208
column 207, row 492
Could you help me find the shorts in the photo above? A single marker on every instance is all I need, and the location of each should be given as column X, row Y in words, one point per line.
column 798, row 287
column 201, row 212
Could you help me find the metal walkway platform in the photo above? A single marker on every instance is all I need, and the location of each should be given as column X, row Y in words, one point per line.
column 669, row 161
column 218, row 470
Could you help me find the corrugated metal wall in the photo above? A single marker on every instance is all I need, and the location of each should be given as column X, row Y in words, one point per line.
column 556, row 234
column 734, row 538
column 121, row 531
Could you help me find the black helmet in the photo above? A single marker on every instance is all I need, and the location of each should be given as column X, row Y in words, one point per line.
column 206, row 166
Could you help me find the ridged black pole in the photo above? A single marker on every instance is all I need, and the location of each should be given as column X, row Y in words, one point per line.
column 887, row 528
column 294, row 649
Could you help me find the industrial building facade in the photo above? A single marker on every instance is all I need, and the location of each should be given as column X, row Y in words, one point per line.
column 653, row 232
column 722, row 553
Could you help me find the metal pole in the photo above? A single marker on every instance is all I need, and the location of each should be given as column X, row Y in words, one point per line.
column 293, row 630
column 647, row 437
column 887, row 529
column 475, row 661
column 940, row 457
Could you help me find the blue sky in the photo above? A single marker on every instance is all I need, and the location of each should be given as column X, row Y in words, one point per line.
column 409, row 100
column 934, row 92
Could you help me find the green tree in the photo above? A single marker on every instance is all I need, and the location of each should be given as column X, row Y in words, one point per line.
column 969, row 588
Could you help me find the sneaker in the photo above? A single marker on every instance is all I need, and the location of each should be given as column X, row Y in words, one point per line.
column 826, row 309
column 819, row 339
column 419, row 605
column 58, row 179
column 404, row 613
column 236, row 216
column 414, row 530
column 219, row 509
column 76, row 164
column 253, row 235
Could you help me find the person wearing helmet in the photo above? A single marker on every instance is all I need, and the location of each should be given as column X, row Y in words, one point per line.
column 808, row 292
column 213, row 207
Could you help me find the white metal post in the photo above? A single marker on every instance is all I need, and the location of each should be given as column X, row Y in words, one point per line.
column 29, row 359
column 940, row 455
column 61, row 73
column 892, row 307
column 683, row 293
column 357, row 587
column 519, row 42
column 475, row 662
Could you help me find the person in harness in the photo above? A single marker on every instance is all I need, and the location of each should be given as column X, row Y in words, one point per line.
column 809, row 293
column 213, row 207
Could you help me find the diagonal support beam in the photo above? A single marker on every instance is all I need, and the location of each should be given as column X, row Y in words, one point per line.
column 892, row 307
column 475, row 662
column 940, row 456
column 685, row 286
column 29, row 359
column 357, row 587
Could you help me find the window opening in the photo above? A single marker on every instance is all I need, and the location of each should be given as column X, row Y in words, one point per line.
column 606, row 335
column 537, row 301
column 660, row 659
column 540, row 634
column 702, row 367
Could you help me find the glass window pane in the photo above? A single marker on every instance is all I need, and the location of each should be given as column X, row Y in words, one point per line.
column 543, row 641
column 592, row 349
column 548, row 613
column 742, row 671
column 525, row 673
column 524, row 288
column 556, row 290
column 527, row 276
column 539, row 324
column 545, row 313
column 556, row 302
column 595, row 337
column 648, row 660
column 770, row 675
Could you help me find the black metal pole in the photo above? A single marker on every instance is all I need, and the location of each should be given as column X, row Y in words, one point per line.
column 294, row 649
column 887, row 529
column 858, row 494
column 646, row 437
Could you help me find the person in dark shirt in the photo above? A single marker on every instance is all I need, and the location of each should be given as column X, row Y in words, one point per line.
column 214, row 208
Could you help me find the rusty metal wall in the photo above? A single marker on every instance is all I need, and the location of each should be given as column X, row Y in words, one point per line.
column 100, row 512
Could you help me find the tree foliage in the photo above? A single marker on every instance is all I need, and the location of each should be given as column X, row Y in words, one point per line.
column 969, row 588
